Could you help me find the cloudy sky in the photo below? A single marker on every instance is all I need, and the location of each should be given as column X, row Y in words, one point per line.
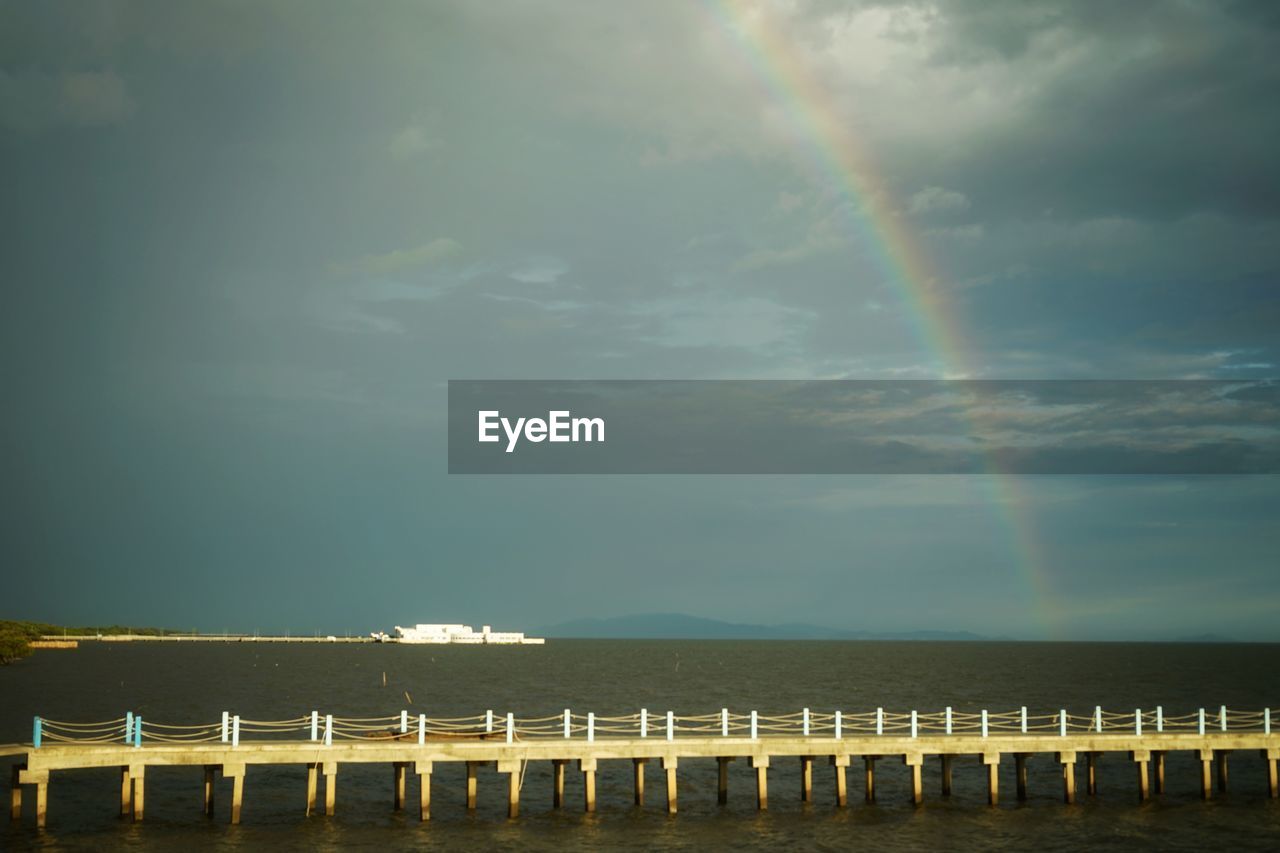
column 247, row 243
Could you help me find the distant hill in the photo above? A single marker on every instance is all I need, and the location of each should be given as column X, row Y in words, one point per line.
column 1206, row 638
column 680, row 626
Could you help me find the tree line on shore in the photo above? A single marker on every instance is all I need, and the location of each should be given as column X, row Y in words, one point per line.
column 16, row 636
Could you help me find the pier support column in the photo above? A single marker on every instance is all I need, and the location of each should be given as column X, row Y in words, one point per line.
column 330, row 771
column 1140, row 758
column 992, row 760
column 512, row 768
column 313, row 775
column 137, row 773
column 1268, row 755
column 722, row 786
column 126, row 793
column 588, row 768
column 1091, row 764
column 761, row 765
column 398, row 773
column 869, row 762
column 472, row 767
column 39, row 778
column 15, row 791
column 1157, row 763
column 236, row 772
column 669, row 765
column 423, row 769
column 1020, row 774
column 637, row 769
column 840, row 763
column 946, row 774
column 208, row 790
column 557, row 783
column 1206, row 774
column 806, row 778
column 1068, row 761
column 916, row 763
column 1221, row 756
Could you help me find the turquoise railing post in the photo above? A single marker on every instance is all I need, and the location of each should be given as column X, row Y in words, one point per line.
column 36, row 732
column 137, row 731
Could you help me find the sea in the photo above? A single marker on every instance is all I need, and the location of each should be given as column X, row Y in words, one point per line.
column 194, row 683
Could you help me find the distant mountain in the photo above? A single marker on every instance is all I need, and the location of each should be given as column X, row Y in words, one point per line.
column 680, row 626
column 1205, row 638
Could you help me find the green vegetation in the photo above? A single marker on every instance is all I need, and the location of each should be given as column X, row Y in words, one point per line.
column 16, row 637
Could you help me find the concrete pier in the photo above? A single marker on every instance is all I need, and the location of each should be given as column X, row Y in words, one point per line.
column 511, row 749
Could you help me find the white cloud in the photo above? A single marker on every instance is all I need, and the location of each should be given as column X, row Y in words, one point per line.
column 399, row 260
column 413, row 141
column 937, row 200
column 540, row 270
column 34, row 101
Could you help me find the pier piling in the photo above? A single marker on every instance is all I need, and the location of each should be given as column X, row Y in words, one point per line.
column 761, row 765
column 15, row 790
column 946, row 774
column 126, row 793
column 236, row 772
column 1068, row 761
column 208, row 791
column 869, row 761
column 1206, row 774
column 557, row 783
column 398, row 774
column 669, row 763
column 313, row 772
column 588, row 768
column 136, row 772
column 1091, row 781
column 1157, row 770
column 1222, row 769
column 992, row 760
column 722, row 786
column 423, row 770
column 472, row 766
column 806, row 778
column 637, row 770
column 916, row 763
column 1020, row 774
column 330, row 771
column 1141, row 759
column 840, row 764
column 1270, row 756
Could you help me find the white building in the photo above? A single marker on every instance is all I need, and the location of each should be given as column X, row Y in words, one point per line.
column 462, row 634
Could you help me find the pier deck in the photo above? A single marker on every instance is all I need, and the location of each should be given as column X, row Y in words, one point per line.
column 491, row 741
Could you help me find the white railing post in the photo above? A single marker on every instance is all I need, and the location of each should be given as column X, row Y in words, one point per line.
column 913, row 724
column 839, row 726
column 1097, row 717
column 511, row 727
column 754, row 732
column 128, row 728
column 1137, row 722
column 948, row 719
column 879, row 721
column 328, row 729
column 488, row 721
column 568, row 726
column 226, row 719
column 644, row 722
column 1159, row 718
column 235, row 731
column 806, row 722
column 422, row 729
column 1024, row 719
column 404, row 722
column 1266, row 721
column 591, row 726
column 315, row 725
column 1223, row 717
column 984, row 722
column 1062, row 722
column 724, row 722
column 1202, row 722
column 671, row 725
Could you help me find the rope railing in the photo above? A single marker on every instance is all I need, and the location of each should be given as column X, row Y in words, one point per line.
column 325, row 728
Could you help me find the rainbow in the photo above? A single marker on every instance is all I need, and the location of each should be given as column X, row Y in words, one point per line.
column 837, row 159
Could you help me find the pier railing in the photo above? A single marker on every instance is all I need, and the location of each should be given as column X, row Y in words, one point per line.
column 326, row 728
